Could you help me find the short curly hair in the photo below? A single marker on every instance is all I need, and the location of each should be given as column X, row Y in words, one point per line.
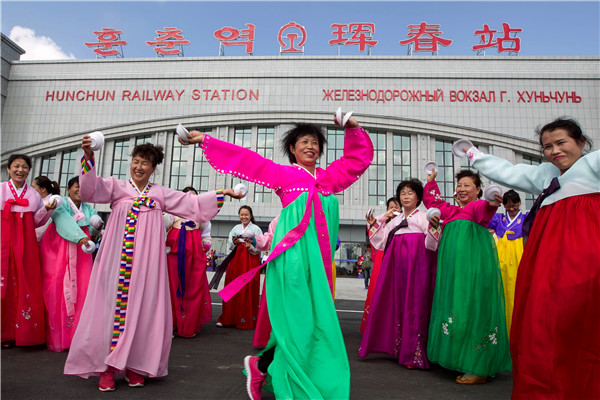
column 293, row 135
column 150, row 152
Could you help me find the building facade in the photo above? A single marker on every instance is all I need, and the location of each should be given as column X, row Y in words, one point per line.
column 413, row 106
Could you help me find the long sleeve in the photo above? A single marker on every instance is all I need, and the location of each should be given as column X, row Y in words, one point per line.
column 263, row 242
column 356, row 158
column 229, row 158
column 528, row 178
column 41, row 216
column 206, row 238
column 199, row 208
column 479, row 211
column 92, row 188
column 66, row 226
column 378, row 232
column 233, row 232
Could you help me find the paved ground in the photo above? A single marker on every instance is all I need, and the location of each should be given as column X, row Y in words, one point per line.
column 209, row 367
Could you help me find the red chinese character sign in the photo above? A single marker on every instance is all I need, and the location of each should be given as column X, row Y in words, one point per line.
column 486, row 37
column 361, row 34
column 107, row 39
column 166, row 42
column 424, row 37
column 228, row 36
column 293, row 32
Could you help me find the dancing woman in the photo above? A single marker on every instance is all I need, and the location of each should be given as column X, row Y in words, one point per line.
column 309, row 357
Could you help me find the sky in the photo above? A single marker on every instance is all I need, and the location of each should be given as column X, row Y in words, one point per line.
column 56, row 30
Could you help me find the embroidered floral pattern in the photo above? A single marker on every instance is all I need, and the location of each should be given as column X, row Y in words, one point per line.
column 447, row 326
column 491, row 339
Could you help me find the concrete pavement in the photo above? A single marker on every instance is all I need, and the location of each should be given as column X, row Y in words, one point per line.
column 210, row 365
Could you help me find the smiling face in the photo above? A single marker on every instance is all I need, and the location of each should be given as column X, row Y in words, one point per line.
column 245, row 216
column 74, row 194
column 466, row 190
column 140, row 170
column 306, row 150
column 512, row 208
column 18, row 171
column 561, row 149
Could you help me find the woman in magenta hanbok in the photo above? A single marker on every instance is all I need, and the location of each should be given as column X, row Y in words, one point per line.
column 23, row 319
column 190, row 295
column 393, row 204
column 126, row 323
column 66, row 268
column 399, row 314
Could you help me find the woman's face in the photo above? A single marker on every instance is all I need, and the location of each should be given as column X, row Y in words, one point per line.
column 42, row 191
column 512, row 208
column 74, row 193
column 18, row 172
column 408, row 198
column 141, row 169
column 306, row 150
column 466, row 190
column 394, row 205
column 245, row 216
column 561, row 149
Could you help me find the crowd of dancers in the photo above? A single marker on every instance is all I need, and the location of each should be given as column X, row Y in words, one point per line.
column 467, row 288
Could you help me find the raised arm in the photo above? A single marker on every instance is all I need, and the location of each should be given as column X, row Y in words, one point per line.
column 433, row 198
column 357, row 156
column 528, row 178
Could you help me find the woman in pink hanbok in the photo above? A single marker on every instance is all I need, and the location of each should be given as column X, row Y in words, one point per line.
column 190, row 296
column 46, row 188
column 66, row 267
column 23, row 320
column 126, row 322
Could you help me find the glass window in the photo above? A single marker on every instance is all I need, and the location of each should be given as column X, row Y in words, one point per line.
column 242, row 137
column 445, row 177
column 529, row 198
column 143, row 139
column 47, row 167
column 401, row 156
column 178, row 164
column 68, row 169
column 201, row 168
column 264, row 147
column 335, row 149
column 120, row 159
column 377, row 175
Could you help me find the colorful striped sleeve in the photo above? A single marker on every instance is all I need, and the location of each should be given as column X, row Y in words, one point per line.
column 87, row 165
column 220, row 199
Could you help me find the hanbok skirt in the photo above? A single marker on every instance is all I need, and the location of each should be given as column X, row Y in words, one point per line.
column 310, row 359
column 192, row 307
column 66, row 276
column 399, row 316
column 555, row 337
column 22, row 310
column 509, row 255
column 242, row 310
column 467, row 331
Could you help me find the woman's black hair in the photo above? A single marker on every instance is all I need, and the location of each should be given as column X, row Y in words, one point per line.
column 415, row 185
column 52, row 187
column 293, row 135
column 511, row 195
column 568, row 124
column 23, row 157
column 467, row 173
column 72, row 181
column 150, row 152
column 250, row 211
column 189, row 189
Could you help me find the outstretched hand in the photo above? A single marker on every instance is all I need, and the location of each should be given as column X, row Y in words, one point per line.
column 196, row 138
column 86, row 145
